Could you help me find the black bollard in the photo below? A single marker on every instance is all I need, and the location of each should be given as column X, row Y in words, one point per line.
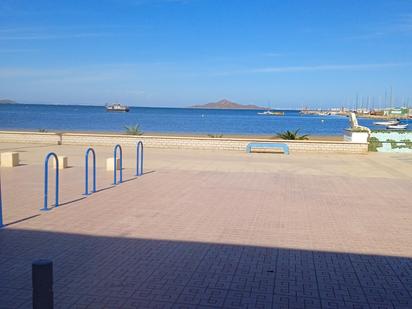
column 42, row 277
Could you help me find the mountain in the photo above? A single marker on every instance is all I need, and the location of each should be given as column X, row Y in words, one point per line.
column 226, row 104
column 7, row 101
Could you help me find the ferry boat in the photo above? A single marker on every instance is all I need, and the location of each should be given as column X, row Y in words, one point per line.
column 117, row 107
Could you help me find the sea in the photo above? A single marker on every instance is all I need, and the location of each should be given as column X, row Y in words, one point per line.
column 40, row 117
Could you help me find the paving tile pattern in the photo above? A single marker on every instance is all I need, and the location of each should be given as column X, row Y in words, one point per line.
column 189, row 238
column 166, row 274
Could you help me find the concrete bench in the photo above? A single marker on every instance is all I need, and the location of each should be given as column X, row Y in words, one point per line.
column 9, row 159
column 63, row 162
column 267, row 147
column 110, row 164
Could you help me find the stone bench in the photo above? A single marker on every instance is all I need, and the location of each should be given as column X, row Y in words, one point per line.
column 9, row 159
column 267, row 147
column 63, row 162
column 110, row 164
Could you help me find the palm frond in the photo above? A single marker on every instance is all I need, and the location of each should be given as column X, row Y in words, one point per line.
column 133, row 130
column 291, row 135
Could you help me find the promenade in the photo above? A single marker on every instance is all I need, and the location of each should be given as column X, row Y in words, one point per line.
column 212, row 229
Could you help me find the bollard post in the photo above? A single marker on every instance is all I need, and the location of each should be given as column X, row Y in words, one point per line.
column 42, row 280
column 139, row 159
column 1, row 206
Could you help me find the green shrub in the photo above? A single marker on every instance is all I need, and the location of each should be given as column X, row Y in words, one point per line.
column 358, row 130
column 133, row 130
column 374, row 144
column 291, row 135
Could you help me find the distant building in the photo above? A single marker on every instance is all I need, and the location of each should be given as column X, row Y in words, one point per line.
column 396, row 112
column 377, row 112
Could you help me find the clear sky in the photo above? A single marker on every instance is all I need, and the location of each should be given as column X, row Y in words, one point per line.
column 183, row 52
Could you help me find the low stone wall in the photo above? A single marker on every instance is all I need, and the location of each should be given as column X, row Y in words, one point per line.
column 390, row 141
column 29, row 137
column 201, row 143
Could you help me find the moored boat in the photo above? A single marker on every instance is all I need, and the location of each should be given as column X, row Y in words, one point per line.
column 386, row 123
column 397, row 126
column 271, row 113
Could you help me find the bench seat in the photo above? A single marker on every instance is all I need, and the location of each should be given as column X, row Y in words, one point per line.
column 267, row 147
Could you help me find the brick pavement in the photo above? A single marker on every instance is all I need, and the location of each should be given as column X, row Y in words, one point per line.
column 192, row 235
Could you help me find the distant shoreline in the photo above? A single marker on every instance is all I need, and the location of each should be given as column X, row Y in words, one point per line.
column 154, row 107
column 7, row 101
column 257, row 136
column 195, row 135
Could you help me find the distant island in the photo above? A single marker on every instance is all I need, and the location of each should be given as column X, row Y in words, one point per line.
column 7, row 101
column 226, row 104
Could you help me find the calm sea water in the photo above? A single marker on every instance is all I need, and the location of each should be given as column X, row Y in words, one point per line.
column 170, row 120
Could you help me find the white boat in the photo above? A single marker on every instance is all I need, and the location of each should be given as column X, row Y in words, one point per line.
column 386, row 123
column 117, row 107
column 266, row 113
column 397, row 127
column 271, row 113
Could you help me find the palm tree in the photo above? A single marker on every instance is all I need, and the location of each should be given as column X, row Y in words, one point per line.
column 290, row 135
column 133, row 130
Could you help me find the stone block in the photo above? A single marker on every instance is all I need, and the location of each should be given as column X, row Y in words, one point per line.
column 9, row 159
column 110, row 164
column 63, row 162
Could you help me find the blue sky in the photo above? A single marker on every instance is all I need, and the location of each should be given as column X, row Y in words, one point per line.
column 287, row 54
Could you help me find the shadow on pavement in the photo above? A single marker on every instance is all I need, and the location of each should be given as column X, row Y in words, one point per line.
column 119, row 272
column 21, row 220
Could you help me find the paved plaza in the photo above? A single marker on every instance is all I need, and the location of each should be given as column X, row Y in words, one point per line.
column 212, row 229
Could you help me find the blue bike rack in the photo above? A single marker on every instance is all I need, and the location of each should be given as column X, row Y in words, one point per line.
column 46, row 180
column 115, row 165
column 139, row 159
column 1, row 207
column 86, row 171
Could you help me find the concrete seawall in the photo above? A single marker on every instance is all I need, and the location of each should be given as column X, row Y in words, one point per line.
column 176, row 142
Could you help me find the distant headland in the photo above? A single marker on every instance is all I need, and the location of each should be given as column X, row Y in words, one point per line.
column 7, row 101
column 226, row 104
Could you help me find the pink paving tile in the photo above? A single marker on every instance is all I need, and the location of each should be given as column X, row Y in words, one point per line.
column 234, row 238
